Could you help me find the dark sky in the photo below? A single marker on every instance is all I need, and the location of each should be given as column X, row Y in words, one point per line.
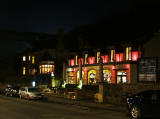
column 48, row 15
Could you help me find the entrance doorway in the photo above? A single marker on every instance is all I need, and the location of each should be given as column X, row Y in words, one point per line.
column 92, row 77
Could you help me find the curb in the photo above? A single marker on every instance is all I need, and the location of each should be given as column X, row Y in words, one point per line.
column 92, row 105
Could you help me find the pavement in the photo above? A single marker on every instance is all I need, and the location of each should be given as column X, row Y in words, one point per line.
column 86, row 103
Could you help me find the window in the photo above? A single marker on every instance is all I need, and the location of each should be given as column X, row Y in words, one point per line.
column 128, row 53
column 76, row 60
column 24, row 70
column 91, row 60
column 134, row 55
column 112, row 55
column 32, row 59
column 119, row 57
column 24, row 58
column 72, row 62
column 44, row 69
column 29, row 58
column 80, row 59
column 98, row 56
column 107, row 76
column 105, row 58
column 86, row 58
column 121, row 76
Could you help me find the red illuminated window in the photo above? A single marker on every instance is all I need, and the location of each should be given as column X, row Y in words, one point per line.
column 134, row 55
column 72, row 62
column 105, row 58
column 91, row 60
column 119, row 57
column 82, row 61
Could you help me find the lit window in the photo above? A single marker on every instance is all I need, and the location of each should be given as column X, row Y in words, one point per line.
column 112, row 55
column 44, row 69
column 72, row 62
column 76, row 60
column 134, row 55
column 24, row 70
column 24, row 58
column 86, row 58
column 32, row 59
column 98, row 57
column 80, row 59
column 91, row 60
column 119, row 57
column 105, row 58
column 29, row 58
column 128, row 53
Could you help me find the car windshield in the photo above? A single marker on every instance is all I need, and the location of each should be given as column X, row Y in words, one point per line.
column 33, row 90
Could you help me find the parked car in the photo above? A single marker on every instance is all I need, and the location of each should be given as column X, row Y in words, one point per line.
column 144, row 104
column 11, row 91
column 30, row 93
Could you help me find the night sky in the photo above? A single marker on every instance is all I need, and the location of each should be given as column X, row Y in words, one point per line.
column 48, row 15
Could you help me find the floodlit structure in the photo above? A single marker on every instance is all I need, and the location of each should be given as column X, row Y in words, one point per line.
column 118, row 66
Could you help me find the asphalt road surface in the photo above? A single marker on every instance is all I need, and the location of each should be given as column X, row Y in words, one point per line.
column 15, row 108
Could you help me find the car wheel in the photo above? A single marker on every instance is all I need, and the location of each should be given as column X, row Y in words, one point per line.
column 135, row 112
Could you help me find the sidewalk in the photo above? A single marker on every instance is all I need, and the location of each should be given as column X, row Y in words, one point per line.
column 87, row 104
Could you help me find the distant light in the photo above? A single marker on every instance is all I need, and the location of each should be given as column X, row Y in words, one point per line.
column 69, row 69
column 33, row 83
column 29, row 58
column 52, row 73
column 80, row 84
column 24, row 58
column 64, row 84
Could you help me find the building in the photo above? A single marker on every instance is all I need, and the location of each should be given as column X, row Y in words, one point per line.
column 119, row 66
column 38, row 67
column 43, row 64
column 123, row 63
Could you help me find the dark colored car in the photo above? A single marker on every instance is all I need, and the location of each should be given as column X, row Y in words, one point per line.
column 11, row 91
column 144, row 104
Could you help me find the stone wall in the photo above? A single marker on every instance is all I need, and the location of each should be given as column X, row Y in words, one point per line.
column 116, row 94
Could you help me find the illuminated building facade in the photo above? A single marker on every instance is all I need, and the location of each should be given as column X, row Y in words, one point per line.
column 38, row 66
column 120, row 65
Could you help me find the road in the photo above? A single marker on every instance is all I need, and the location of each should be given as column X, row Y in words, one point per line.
column 15, row 108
